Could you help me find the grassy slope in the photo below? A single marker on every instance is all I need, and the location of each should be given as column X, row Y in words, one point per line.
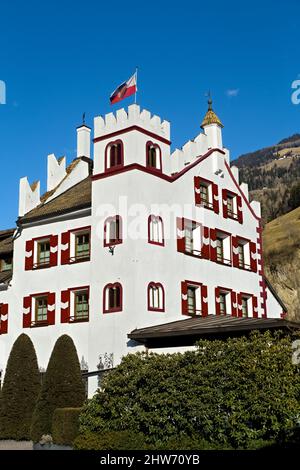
column 281, row 239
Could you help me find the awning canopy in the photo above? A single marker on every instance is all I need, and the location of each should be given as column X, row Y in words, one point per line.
column 187, row 332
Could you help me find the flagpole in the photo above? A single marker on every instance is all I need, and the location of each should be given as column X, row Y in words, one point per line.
column 136, row 75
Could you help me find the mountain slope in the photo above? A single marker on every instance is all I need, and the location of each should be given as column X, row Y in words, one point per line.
column 281, row 239
column 271, row 173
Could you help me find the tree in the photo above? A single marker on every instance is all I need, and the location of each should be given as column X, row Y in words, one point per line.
column 294, row 200
column 62, row 387
column 231, row 393
column 20, row 390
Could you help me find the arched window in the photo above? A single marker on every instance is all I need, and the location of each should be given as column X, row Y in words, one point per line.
column 114, row 155
column 153, row 156
column 156, row 297
column 112, row 298
column 156, row 230
column 113, row 230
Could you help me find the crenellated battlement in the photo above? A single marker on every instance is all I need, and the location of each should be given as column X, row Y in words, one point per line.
column 122, row 119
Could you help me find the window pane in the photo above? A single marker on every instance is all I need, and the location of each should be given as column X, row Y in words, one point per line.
column 189, row 242
column 82, row 245
column 81, row 305
column 204, row 193
column 114, row 298
column 245, row 306
column 241, row 256
column 41, row 307
column 223, row 304
column 44, row 252
column 191, row 299
column 220, row 249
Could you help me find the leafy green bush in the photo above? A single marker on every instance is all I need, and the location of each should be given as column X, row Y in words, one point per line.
column 20, row 390
column 62, row 387
column 110, row 440
column 228, row 393
column 65, row 425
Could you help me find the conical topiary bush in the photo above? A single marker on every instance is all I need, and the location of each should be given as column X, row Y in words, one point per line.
column 62, row 387
column 20, row 390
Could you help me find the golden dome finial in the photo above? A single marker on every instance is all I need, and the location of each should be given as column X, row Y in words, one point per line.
column 210, row 117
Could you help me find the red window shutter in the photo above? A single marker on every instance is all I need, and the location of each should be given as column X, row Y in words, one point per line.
column 239, row 209
column 224, row 201
column 254, row 306
column 180, row 235
column 205, row 243
column 217, row 297
column 51, row 309
column 197, row 190
column 239, row 305
column 184, row 302
column 53, row 250
column 213, row 244
column 27, row 312
column 3, row 318
column 65, row 306
column 233, row 304
column 29, row 255
column 215, row 194
column 65, row 248
column 253, row 261
column 235, row 252
column 204, row 301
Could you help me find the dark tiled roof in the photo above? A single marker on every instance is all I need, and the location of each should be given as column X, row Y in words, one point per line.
column 185, row 332
column 76, row 198
column 6, row 241
column 5, row 277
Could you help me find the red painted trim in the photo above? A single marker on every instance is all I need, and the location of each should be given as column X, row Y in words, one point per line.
column 157, row 285
column 170, row 179
column 112, row 310
column 74, row 231
column 226, row 289
column 73, row 289
column 152, row 242
column 118, row 240
column 129, row 129
column 107, row 155
column 184, row 288
column 156, row 146
column 241, row 192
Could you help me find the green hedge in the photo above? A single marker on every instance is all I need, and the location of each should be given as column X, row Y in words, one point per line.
column 110, row 440
column 65, row 425
column 235, row 393
column 62, row 387
column 20, row 390
column 129, row 440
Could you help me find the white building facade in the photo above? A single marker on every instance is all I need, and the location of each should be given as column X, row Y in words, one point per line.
column 135, row 236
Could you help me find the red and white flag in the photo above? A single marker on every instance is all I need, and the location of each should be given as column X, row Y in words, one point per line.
column 124, row 90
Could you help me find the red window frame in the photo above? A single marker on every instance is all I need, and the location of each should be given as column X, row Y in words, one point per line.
column 184, row 300
column 211, row 205
column 66, row 241
column 30, row 247
column 106, row 308
column 181, row 240
column 118, row 240
column 159, row 286
column 29, row 304
column 108, row 156
column 156, row 146
column 150, row 220
column 66, row 315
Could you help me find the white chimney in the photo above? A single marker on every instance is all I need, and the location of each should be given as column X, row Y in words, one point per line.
column 83, row 141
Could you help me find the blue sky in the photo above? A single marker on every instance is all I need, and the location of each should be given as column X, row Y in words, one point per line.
column 61, row 58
